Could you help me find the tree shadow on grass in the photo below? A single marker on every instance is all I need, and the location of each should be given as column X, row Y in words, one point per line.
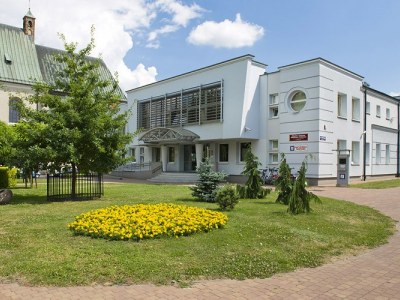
column 28, row 199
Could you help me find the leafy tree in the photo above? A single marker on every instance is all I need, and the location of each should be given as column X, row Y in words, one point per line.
column 6, row 143
column 253, row 188
column 32, row 152
column 206, row 187
column 299, row 200
column 80, row 113
column 284, row 183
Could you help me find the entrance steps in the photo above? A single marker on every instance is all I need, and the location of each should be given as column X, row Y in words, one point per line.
column 175, row 177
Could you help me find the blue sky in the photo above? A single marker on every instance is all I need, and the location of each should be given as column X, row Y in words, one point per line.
column 152, row 40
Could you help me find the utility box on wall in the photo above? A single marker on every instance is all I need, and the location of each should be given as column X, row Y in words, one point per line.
column 343, row 168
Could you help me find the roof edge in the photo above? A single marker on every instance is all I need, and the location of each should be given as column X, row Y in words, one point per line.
column 225, row 62
column 326, row 62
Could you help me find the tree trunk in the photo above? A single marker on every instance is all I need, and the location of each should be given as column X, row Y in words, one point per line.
column 73, row 181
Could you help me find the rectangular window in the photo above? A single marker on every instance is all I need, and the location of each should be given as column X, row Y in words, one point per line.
column 367, row 153
column 368, row 108
column 387, row 113
column 355, row 112
column 223, row 152
column 378, row 154
column 141, row 159
column 273, row 99
column 273, row 158
column 355, row 153
column 342, row 105
column 274, row 112
column 244, row 147
column 171, row 154
column 157, row 154
column 341, row 145
column 132, row 154
column 378, row 111
column 273, row 145
column 387, row 154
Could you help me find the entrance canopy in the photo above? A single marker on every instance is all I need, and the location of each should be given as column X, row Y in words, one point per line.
column 162, row 135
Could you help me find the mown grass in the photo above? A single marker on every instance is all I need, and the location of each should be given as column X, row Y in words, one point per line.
column 381, row 184
column 260, row 240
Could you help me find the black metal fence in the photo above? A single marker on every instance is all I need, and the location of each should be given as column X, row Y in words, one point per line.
column 87, row 187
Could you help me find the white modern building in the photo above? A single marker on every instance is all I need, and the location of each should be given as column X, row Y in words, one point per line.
column 307, row 109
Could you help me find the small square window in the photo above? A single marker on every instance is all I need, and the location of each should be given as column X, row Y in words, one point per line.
column 274, row 112
column 273, row 158
column 273, row 145
column 273, row 99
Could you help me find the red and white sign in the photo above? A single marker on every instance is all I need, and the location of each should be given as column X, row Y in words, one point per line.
column 298, row 137
column 299, row 148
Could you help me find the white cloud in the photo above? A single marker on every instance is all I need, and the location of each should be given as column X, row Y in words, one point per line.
column 394, row 94
column 226, row 34
column 181, row 15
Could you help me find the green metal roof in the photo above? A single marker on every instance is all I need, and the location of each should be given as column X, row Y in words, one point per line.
column 18, row 59
column 21, row 61
column 50, row 67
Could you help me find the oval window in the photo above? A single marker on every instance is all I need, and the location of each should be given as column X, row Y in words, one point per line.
column 298, row 101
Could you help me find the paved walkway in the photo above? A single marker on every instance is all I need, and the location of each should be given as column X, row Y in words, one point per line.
column 374, row 274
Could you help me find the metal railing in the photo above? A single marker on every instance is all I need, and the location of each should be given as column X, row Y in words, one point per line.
column 87, row 187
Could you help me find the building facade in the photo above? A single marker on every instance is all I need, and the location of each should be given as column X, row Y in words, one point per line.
column 310, row 109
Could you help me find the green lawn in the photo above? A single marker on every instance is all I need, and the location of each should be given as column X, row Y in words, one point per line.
column 384, row 184
column 260, row 239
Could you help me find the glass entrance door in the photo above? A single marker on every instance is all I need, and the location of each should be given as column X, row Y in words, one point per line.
column 189, row 158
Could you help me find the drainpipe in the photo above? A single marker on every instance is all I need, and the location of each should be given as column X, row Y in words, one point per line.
column 398, row 138
column 364, row 176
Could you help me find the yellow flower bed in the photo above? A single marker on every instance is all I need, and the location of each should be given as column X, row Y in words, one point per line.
column 146, row 221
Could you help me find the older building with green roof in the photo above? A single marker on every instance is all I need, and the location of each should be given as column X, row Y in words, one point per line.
column 22, row 62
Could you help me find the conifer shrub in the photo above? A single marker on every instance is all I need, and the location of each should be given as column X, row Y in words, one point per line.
column 226, row 197
column 253, row 187
column 205, row 188
column 300, row 198
column 284, row 183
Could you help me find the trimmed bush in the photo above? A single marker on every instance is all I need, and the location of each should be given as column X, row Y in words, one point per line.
column 12, row 177
column 3, row 177
column 227, row 197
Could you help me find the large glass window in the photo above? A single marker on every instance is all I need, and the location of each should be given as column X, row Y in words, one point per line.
column 298, row 101
column 196, row 105
column 342, row 105
column 13, row 114
column 223, row 152
column 244, row 147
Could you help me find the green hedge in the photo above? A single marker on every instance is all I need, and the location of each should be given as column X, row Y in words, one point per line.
column 3, row 177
